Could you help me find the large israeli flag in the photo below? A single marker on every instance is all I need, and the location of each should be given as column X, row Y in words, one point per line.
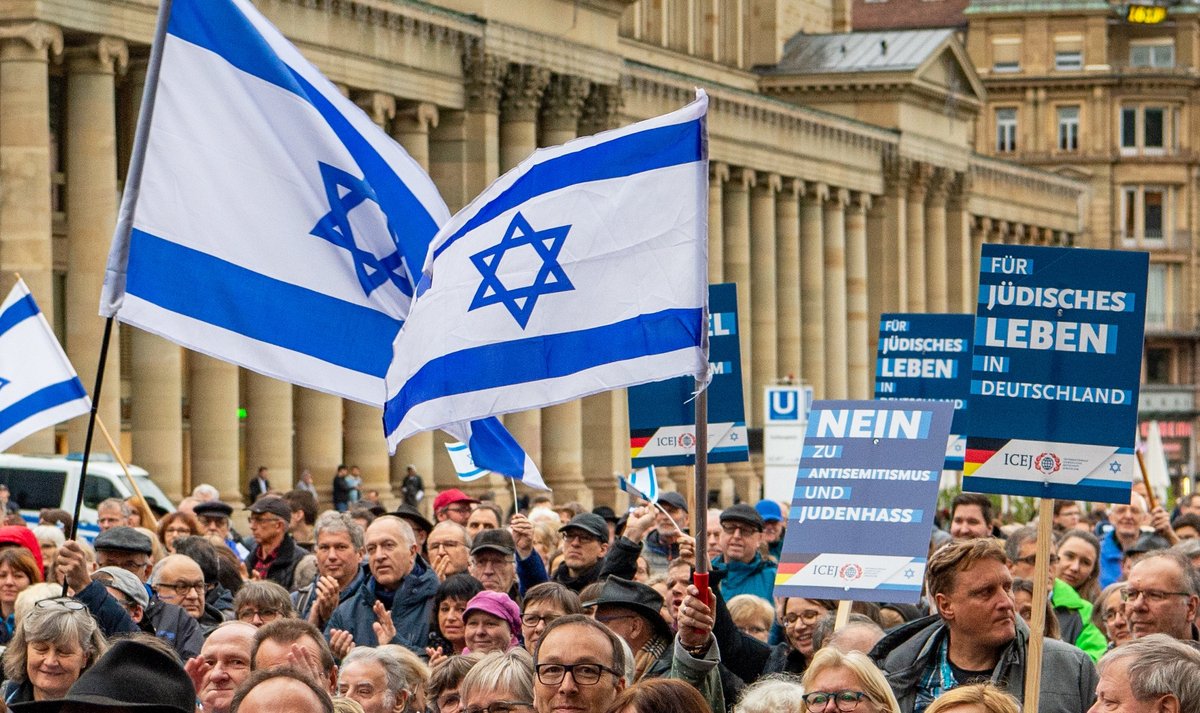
column 275, row 224
column 38, row 385
column 583, row 269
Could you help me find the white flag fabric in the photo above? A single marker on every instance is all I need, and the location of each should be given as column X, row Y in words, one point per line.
column 38, row 385
column 642, row 482
column 464, row 464
column 583, row 269
column 275, row 226
column 486, row 441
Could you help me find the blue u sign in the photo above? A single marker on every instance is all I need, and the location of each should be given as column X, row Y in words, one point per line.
column 783, row 405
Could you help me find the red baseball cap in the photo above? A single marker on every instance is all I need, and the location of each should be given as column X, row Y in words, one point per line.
column 447, row 498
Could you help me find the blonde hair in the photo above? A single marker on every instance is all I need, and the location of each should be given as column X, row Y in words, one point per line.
column 985, row 695
column 745, row 608
column 873, row 683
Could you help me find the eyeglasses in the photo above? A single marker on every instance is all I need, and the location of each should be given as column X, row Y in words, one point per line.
column 266, row 615
column 532, row 620
column 181, row 531
column 181, row 588
column 448, row 701
column 498, row 707
column 1031, row 560
column 1112, row 614
column 435, row 546
column 808, row 617
column 65, row 602
column 581, row 537
column 585, row 674
column 1153, row 596
column 742, row 530
column 845, row 701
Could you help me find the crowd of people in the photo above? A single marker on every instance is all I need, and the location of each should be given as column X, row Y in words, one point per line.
column 555, row 608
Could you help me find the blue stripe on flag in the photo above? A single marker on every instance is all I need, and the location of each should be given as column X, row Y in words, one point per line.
column 544, row 357
column 643, row 151
column 260, row 307
column 43, row 399
column 218, row 26
column 18, row 312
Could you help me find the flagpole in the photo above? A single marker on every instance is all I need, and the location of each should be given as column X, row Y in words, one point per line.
column 700, row 577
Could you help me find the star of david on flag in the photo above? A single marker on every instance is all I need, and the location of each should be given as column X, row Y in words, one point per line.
column 597, row 250
column 549, row 277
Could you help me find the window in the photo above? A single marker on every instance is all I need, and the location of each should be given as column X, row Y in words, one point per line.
column 1068, row 128
column 1156, row 296
column 1152, row 213
column 1152, row 121
column 1068, row 52
column 1006, row 54
column 1144, row 216
column 1157, row 54
column 1006, row 130
column 1147, row 129
column 1158, row 360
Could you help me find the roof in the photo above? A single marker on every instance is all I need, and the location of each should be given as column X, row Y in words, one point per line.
column 887, row 51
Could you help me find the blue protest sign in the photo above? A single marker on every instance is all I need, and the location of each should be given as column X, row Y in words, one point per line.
column 863, row 504
column 662, row 415
column 927, row 356
column 1055, row 371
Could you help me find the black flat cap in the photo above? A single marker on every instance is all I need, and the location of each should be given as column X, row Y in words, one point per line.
column 744, row 514
column 213, row 508
column 123, row 539
column 589, row 522
column 496, row 539
column 673, row 499
column 274, row 505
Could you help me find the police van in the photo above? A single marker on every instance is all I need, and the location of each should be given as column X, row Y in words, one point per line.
column 37, row 482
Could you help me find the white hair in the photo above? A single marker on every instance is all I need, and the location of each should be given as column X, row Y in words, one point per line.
column 50, row 533
column 772, row 694
column 205, row 492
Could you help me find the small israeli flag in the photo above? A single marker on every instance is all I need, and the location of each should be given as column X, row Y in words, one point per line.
column 583, row 269
column 503, row 454
column 38, row 385
column 642, row 482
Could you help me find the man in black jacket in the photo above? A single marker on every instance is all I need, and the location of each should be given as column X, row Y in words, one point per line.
column 277, row 554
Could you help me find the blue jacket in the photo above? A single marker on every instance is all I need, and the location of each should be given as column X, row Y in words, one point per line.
column 410, row 610
column 303, row 599
column 1110, row 559
column 756, row 577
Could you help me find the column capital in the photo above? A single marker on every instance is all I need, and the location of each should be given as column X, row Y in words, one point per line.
column 601, row 109
column 415, row 117
column 918, row 181
column 33, row 37
column 768, row 183
column 816, row 192
column 938, row 186
column 524, row 85
column 838, row 199
column 380, row 106
column 860, row 201
column 483, row 76
column 105, row 55
column 960, row 188
column 741, row 177
column 718, row 172
column 896, row 169
column 792, row 187
column 983, row 223
column 562, row 101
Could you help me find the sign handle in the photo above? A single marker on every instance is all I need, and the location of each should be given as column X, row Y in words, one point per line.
column 1033, row 666
column 145, row 510
column 843, row 614
column 1150, row 499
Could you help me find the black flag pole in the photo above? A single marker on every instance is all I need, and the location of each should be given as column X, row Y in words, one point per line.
column 700, row 484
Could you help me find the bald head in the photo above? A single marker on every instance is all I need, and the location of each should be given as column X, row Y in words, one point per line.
column 227, row 653
column 178, row 580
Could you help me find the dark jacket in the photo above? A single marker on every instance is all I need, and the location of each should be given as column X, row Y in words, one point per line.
column 211, row 619
column 220, row 599
column 410, row 610
column 283, row 570
column 303, row 599
column 111, row 617
column 1068, row 676
column 341, row 490
column 175, row 626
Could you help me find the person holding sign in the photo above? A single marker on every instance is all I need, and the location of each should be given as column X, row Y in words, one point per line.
column 976, row 636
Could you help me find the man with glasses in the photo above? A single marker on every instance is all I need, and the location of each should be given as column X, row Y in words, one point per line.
column 631, row 610
column 1074, row 613
column 449, row 546
column 1160, row 597
column 745, row 570
column 340, row 570
column 578, row 666
column 543, row 604
column 584, row 545
column 491, row 561
column 276, row 555
column 178, row 580
column 214, row 518
column 453, row 504
column 126, row 589
column 977, row 636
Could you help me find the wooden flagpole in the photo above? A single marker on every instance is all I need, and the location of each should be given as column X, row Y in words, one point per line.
column 145, row 510
column 1033, row 659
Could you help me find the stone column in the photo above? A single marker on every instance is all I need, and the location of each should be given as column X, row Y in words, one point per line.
column 718, row 174
column 787, row 295
column 91, row 213
column 859, row 356
column 834, row 228
column 937, row 296
column 411, row 128
column 959, row 246
column 363, row 442
column 213, row 407
column 523, row 88
column 889, row 258
column 464, row 152
column 915, row 237
column 269, row 427
column 318, row 418
column 736, row 234
column 812, row 285
column 765, row 367
column 562, row 425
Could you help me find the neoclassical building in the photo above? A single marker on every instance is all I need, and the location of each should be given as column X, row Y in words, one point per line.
column 844, row 182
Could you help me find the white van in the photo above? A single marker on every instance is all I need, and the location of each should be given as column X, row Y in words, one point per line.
column 37, row 482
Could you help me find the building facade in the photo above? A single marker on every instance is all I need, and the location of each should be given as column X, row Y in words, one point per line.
column 839, row 189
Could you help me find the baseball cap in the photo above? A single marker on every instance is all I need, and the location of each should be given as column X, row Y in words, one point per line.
column 589, row 522
column 673, row 499
column 742, row 513
column 495, row 539
column 274, row 505
column 447, row 498
column 124, row 582
column 769, row 510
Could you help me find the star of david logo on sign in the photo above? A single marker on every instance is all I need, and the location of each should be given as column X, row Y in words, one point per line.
column 346, row 192
column 520, row 300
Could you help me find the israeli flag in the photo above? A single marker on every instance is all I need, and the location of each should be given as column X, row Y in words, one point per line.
column 275, row 225
column 583, row 269
column 38, row 385
column 642, row 483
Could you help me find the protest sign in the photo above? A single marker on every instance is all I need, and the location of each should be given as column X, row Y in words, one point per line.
column 662, row 416
column 1055, row 371
column 928, row 356
column 864, row 500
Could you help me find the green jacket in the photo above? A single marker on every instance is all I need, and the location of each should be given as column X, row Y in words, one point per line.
column 1067, row 600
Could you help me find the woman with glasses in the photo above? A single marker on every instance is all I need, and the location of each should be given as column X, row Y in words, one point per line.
column 262, row 601
column 55, row 643
column 846, row 683
column 499, row 683
column 18, row 570
column 799, row 617
column 447, row 635
column 753, row 615
column 543, row 604
column 177, row 525
column 1109, row 615
column 445, row 682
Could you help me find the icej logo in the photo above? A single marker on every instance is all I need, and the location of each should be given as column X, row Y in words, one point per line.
column 850, row 572
column 1044, row 463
